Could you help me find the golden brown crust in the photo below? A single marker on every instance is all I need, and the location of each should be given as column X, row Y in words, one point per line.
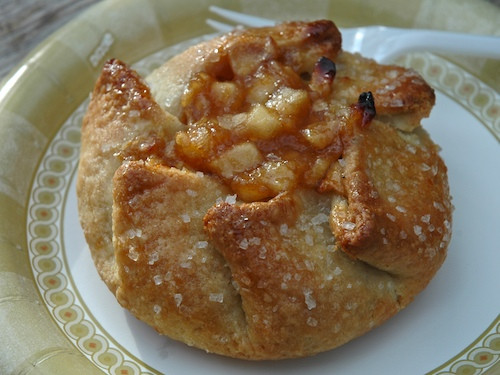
column 300, row 295
column 396, row 216
column 121, row 112
column 168, row 273
column 343, row 215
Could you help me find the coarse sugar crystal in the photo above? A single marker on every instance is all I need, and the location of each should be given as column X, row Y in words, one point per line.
column 216, row 297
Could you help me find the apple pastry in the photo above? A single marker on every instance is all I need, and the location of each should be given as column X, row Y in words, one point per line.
column 263, row 195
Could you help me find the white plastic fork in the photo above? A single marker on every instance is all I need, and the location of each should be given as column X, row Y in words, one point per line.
column 383, row 43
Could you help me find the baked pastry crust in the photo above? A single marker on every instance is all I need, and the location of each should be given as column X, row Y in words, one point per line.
column 357, row 229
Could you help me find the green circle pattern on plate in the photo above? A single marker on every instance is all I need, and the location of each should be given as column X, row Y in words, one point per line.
column 478, row 98
column 47, row 253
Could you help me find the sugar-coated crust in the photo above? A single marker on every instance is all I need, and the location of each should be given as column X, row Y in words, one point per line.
column 121, row 115
column 292, row 275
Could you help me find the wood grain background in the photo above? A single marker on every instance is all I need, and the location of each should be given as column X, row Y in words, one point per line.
column 26, row 23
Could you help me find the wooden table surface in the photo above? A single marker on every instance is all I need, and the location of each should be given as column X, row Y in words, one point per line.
column 26, row 23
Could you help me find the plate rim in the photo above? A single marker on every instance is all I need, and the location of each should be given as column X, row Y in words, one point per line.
column 20, row 72
column 433, row 75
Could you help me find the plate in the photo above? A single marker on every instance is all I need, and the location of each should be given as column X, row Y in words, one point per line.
column 58, row 317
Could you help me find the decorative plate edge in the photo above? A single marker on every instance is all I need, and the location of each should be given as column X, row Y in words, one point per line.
column 54, row 176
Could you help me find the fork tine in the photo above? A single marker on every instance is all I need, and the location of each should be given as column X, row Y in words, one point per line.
column 219, row 26
column 240, row 18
